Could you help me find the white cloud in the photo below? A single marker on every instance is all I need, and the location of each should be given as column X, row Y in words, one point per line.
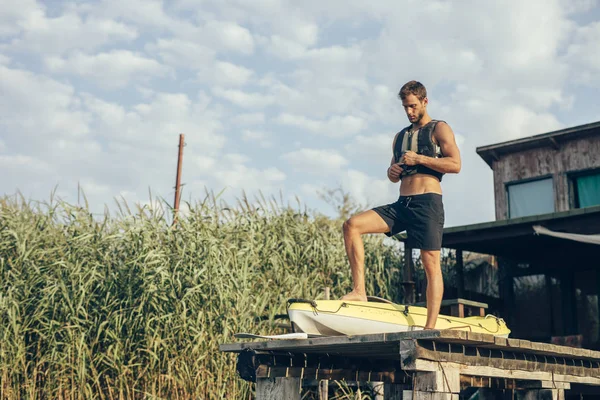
column 225, row 74
column 113, row 70
column 231, row 74
column 283, row 48
column 8, row 162
column 282, row 18
column 312, row 95
column 540, row 99
column 367, row 190
column 204, row 163
column 2, row 145
column 149, row 14
column 182, row 53
column 153, row 16
column 64, row 137
column 14, row 13
column 257, row 118
column 157, row 123
column 583, row 52
column 244, row 99
column 335, row 126
column 499, row 114
column 235, row 158
column 259, row 138
column 316, row 161
column 241, row 177
column 578, row 6
column 518, row 121
column 94, row 188
column 231, row 171
column 67, row 32
column 34, row 106
column 230, row 35
column 375, row 148
column 309, row 189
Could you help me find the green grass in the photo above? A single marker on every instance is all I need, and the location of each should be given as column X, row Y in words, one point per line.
column 127, row 306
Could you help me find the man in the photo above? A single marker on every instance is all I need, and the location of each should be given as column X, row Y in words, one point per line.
column 422, row 153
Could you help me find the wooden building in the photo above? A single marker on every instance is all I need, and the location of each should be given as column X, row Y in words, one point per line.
column 544, row 185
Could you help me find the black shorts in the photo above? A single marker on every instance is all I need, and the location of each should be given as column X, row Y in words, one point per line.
column 421, row 216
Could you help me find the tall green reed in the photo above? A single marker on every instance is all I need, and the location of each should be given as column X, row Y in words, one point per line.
column 129, row 306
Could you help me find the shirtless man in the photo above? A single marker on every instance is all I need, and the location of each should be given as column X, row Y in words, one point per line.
column 422, row 153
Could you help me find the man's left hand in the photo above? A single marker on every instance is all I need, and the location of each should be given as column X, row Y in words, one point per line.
column 410, row 158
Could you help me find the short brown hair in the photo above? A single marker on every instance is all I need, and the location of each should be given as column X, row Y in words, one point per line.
column 413, row 87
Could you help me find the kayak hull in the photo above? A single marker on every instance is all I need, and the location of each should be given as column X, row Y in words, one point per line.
column 346, row 318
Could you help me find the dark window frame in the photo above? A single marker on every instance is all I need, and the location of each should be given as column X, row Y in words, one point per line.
column 572, row 178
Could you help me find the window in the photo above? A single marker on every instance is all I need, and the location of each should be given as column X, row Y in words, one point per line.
column 586, row 188
column 530, row 198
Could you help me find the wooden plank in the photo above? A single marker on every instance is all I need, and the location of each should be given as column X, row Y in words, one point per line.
column 419, row 395
column 411, row 351
column 452, row 336
column 329, row 342
column 524, row 344
column 445, row 380
column 384, row 344
column 488, row 382
column 480, row 337
column 432, row 366
column 336, row 374
column 451, row 302
column 393, row 392
column 499, row 343
column 278, row 389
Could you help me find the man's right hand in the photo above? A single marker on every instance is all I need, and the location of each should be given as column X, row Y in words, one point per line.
column 394, row 172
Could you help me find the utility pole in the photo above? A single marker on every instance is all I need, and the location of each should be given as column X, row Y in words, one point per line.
column 178, row 179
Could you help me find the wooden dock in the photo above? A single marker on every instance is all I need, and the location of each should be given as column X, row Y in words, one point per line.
column 420, row 365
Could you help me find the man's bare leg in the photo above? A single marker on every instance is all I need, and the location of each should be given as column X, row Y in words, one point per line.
column 435, row 285
column 365, row 222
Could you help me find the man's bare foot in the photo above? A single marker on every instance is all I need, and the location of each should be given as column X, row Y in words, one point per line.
column 354, row 296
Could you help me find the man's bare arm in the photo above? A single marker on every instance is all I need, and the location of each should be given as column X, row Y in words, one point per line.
column 394, row 169
column 450, row 163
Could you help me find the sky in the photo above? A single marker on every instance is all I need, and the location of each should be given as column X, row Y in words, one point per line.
column 278, row 97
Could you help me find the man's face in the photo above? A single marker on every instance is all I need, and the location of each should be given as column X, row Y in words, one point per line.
column 414, row 108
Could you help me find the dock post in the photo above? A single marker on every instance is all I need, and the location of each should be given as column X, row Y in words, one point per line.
column 324, row 389
column 443, row 384
column 392, row 391
column 278, row 388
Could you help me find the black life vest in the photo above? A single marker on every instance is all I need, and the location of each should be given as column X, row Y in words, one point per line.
column 421, row 144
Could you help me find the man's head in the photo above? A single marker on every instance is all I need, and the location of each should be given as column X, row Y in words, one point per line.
column 414, row 100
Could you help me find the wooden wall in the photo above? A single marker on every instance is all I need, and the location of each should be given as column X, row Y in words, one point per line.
column 571, row 156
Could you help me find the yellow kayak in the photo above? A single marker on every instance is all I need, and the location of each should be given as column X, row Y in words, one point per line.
column 345, row 318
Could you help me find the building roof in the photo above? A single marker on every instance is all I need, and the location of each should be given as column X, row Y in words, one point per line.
column 551, row 139
column 516, row 238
